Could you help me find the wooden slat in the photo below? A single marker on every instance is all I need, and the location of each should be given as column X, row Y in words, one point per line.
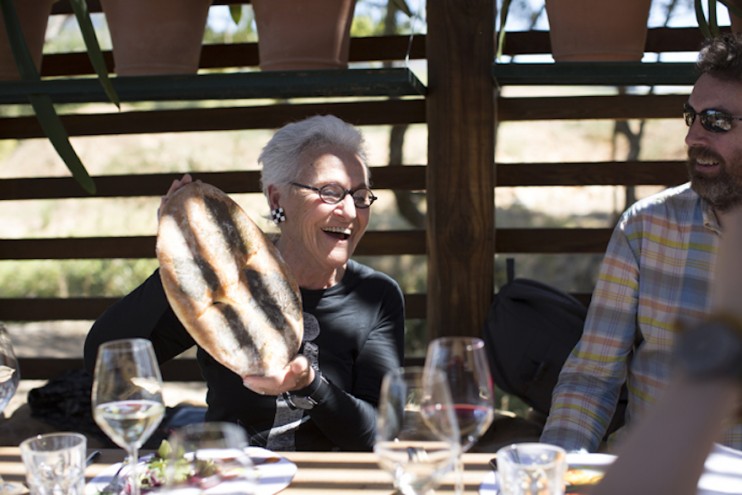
column 375, row 243
column 44, row 368
column 552, row 241
column 591, row 107
column 391, row 83
column 360, row 113
column 90, row 308
column 53, row 308
column 175, row 370
column 386, row 112
column 397, row 177
column 634, row 173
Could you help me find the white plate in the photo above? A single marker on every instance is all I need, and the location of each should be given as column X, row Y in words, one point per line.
column 722, row 474
column 490, row 485
column 274, row 473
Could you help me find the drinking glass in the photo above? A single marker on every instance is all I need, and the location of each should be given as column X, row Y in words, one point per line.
column 127, row 397
column 464, row 363
column 10, row 375
column 55, row 463
column 531, row 469
column 416, row 434
column 204, row 455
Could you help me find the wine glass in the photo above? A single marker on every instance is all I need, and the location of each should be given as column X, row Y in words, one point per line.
column 127, row 397
column 203, row 455
column 464, row 363
column 416, row 433
column 10, row 375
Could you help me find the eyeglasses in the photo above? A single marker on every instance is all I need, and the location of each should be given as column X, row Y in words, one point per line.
column 711, row 120
column 333, row 193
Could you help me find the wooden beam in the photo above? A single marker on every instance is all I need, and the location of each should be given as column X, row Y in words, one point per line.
column 389, row 83
column 595, row 73
column 461, row 176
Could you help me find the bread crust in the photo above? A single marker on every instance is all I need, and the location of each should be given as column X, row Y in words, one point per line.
column 227, row 283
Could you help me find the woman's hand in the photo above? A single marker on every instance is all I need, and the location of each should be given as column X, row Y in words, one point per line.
column 296, row 375
column 177, row 184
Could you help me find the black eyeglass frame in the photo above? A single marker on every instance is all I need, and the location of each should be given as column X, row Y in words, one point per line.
column 339, row 188
column 709, row 118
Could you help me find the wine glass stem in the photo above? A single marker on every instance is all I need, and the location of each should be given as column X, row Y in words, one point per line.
column 459, row 475
column 133, row 471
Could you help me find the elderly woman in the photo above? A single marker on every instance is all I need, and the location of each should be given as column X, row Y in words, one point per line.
column 317, row 184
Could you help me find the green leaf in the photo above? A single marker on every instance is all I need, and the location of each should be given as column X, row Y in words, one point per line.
column 701, row 19
column 57, row 134
column 235, row 11
column 402, row 7
column 713, row 22
column 501, row 33
column 47, row 116
column 80, row 7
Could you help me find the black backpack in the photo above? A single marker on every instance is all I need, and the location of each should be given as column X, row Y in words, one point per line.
column 530, row 330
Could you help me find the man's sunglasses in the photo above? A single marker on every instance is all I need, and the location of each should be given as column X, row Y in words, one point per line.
column 711, row 120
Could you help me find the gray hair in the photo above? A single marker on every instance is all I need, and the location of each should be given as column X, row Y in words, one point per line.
column 280, row 157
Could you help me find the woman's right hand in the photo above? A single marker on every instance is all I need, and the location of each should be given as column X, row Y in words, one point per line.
column 177, row 184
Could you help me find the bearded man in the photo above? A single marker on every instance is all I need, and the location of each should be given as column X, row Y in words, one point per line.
column 655, row 276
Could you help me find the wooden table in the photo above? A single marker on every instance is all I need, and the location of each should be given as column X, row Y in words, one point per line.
column 325, row 473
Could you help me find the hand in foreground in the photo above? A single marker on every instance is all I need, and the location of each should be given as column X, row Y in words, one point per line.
column 296, row 375
column 177, row 184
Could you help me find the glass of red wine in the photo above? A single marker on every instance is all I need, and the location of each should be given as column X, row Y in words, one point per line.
column 464, row 362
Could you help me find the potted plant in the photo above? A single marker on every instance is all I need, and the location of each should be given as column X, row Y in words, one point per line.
column 581, row 32
column 156, row 37
column 303, row 35
column 27, row 65
column 33, row 15
column 617, row 31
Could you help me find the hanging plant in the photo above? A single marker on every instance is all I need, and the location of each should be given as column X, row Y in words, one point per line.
column 709, row 26
column 42, row 104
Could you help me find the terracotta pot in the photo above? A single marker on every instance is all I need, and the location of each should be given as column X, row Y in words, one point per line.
column 736, row 26
column 33, row 16
column 156, row 37
column 295, row 35
column 590, row 30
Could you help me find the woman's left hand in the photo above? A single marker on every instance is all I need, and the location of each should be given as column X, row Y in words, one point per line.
column 296, row 375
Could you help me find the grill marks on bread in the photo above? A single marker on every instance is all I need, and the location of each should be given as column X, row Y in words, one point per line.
column 227, row 283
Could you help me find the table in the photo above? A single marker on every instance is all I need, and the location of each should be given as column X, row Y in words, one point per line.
column 325, row 473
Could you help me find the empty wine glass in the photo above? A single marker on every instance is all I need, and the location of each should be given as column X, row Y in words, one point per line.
column 204, row 455
column 10, row 376
column 127, row 397
column 416, row 434
column 464, row 363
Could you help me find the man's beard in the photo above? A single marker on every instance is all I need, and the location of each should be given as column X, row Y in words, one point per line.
column 724, row 190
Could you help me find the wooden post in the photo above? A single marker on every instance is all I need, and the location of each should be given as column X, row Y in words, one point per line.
column 461, row 174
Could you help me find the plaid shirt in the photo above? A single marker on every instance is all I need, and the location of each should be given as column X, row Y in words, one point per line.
column 655, row 273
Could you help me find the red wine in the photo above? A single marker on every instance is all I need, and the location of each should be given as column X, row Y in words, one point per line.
column 473, row 419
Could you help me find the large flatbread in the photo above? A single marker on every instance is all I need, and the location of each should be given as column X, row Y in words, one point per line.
column 227, row 283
